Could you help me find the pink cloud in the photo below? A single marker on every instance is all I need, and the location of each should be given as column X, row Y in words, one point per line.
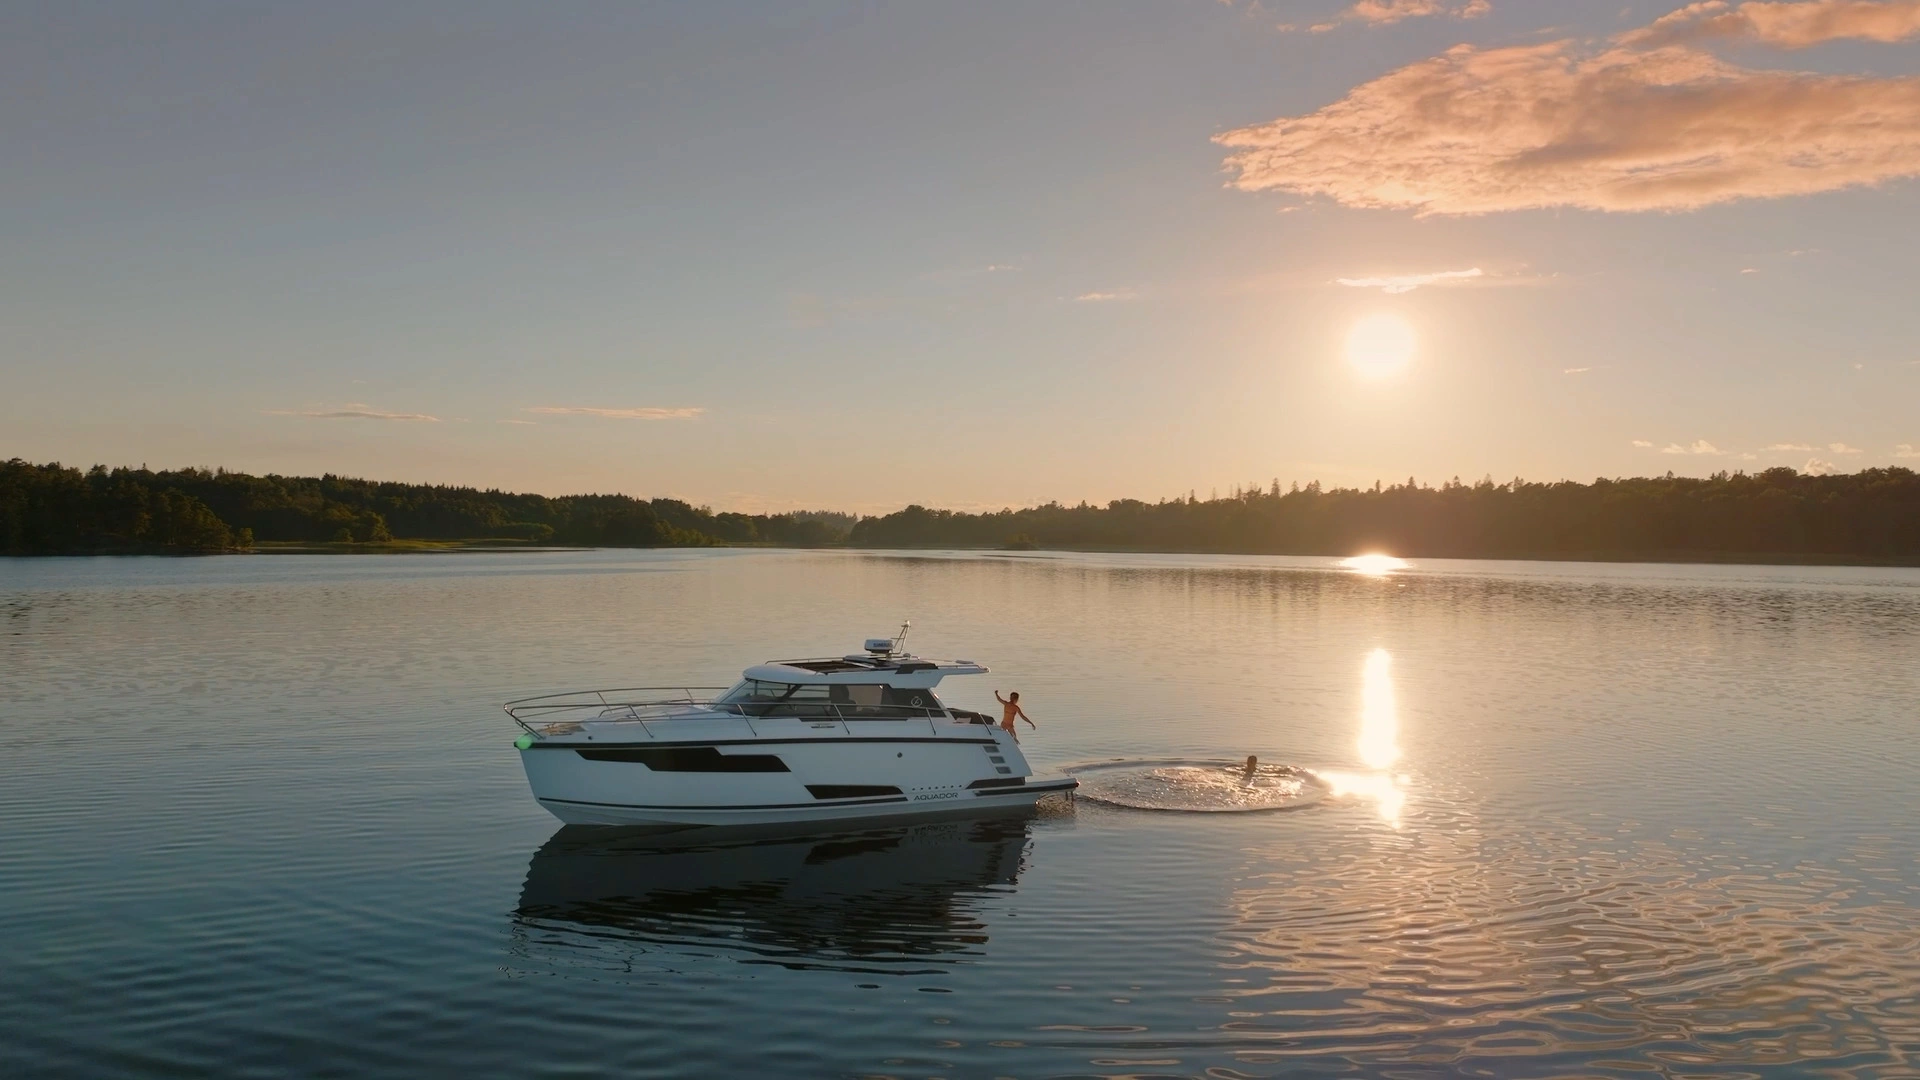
column 1569, row 124
column 1406, row 283
column 1785, row 25
column 1388, row 12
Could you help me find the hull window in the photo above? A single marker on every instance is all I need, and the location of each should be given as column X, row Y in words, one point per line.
column 850, row 791
column 686, row 759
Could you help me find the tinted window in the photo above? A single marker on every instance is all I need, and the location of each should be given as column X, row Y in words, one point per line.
column 808, row 701
column 860, row 695
column 918, row 702
column 755, row 698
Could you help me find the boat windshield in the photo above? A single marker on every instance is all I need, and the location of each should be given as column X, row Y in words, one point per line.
column 757, row 690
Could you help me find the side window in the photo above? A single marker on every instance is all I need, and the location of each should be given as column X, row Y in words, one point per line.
column 806, row 701
column 752, row 698
column 910, row 702
column 861, row 695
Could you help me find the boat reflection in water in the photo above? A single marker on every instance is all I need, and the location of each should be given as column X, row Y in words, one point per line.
column 897, row 899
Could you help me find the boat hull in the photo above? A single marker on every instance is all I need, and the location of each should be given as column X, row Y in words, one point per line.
column 760, row 774
column 579, row 813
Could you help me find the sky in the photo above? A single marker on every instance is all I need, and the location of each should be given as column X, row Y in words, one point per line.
column 854, row 255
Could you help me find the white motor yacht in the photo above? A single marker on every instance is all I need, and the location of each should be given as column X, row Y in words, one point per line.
column 860, row 736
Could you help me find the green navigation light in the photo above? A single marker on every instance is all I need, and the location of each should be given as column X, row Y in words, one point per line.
column 523, row 741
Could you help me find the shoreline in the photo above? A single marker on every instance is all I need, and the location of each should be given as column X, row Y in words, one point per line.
column 477, row 546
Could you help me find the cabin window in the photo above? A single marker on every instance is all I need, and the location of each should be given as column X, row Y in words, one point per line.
column 755, row 690
column 859, row 695
column 848, row 701
column 921, row 702
column 756, row 698
column 877, row 701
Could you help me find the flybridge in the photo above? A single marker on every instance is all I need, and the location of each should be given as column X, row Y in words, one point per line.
column 893, row 670
column 883, row 657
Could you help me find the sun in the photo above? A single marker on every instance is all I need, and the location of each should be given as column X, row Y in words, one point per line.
column 1380, row 345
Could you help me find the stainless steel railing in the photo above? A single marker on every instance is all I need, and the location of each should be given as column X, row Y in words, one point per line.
column 576, row 705
column 665, row 703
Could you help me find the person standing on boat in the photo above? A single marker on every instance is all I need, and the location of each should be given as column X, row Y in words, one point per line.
column 1010, row 708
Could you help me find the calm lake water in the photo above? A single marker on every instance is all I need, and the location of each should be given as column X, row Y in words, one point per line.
column 263, row 818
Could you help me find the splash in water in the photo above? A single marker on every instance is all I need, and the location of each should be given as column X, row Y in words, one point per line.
column 1199, row 786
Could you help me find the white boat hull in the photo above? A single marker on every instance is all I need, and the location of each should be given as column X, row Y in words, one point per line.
column 734, row 772
column 574, row 813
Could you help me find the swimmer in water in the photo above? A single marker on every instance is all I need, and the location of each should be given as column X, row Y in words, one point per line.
column 1010, row 708
column 1253, row 763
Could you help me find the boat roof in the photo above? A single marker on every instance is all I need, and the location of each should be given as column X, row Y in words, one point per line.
column 892, row 669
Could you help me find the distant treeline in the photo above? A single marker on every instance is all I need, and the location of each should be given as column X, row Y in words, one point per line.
column 1872, row 514
column 50, row 509
column 1779, row 513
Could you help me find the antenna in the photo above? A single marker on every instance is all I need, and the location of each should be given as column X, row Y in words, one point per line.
column 902, row 639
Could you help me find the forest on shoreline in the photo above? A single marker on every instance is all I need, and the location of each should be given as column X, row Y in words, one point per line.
column 56, row 510
column 1775, row 515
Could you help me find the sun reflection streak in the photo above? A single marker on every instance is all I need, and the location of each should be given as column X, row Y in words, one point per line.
column 1379, row 720
column 1379, row 743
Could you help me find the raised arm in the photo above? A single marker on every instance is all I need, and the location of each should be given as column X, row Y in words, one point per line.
column 998, row 698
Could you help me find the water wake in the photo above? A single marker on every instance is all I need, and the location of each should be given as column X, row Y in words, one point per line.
column 1206, row 787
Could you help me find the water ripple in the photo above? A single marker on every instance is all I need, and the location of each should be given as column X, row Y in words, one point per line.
column 1207, row 787
column 264, row 820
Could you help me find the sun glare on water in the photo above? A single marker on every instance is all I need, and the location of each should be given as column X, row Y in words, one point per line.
column 1379, row 743
column 1380, row 345
column 1374, row 565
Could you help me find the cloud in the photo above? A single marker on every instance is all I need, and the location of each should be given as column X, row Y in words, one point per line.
column 355, row 412
column 1406, row 283
column 528, row 423
column 1105, row 297
column 1700, row 446
column 649, row 413
column 1784, row 25
column 1567, row 123
column 1798, row 448
column 1843, row 448
column 1906, row 450
column 1579, row 371
column 1816, row 467
column 1388, row 12
column 1644, row 444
